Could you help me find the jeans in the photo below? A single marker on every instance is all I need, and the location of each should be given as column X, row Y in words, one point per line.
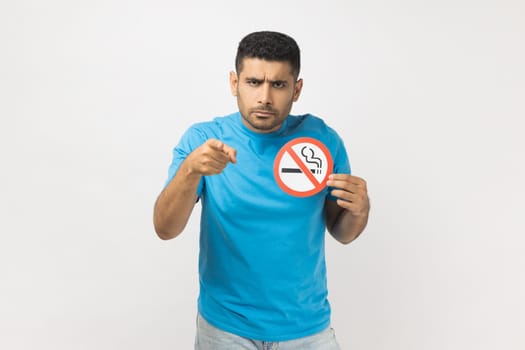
column 211, row 338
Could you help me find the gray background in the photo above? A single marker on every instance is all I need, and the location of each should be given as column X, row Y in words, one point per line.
column 428, row 96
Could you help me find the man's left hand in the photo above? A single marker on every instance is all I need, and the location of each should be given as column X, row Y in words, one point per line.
column 351, row 193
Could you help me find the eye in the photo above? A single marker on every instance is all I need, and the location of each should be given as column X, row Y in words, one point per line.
column 253, row 82
column 279, row 84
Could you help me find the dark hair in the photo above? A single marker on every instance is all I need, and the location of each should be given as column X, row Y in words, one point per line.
column 269, row 46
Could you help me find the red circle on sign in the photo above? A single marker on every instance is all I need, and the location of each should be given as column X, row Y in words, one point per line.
column 318, row 186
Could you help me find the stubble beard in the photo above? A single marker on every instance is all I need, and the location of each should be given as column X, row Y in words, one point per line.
column 262, row 124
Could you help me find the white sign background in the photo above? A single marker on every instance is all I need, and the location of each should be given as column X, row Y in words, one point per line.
column 302, row 167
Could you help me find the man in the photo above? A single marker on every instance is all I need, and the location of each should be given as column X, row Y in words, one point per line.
column 270, row 183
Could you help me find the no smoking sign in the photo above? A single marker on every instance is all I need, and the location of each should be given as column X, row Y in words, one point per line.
column 302, row 166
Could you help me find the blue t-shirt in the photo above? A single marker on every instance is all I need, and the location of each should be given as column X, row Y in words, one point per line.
column 262, row 266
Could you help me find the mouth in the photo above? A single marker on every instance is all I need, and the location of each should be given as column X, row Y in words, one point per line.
column 263, row 114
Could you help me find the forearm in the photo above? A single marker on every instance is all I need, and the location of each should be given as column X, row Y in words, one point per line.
column 175, row 204
column 347, row 217
column 348, row 226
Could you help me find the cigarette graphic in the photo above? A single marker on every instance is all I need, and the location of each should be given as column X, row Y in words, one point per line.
column 297, row 170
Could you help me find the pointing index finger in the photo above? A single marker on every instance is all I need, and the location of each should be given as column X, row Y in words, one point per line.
column 232, row 152
column 224, row 148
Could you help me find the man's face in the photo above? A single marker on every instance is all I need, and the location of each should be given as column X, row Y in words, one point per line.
column 265, row 91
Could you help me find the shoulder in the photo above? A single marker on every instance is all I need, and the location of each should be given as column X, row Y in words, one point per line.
column 210, row 129
column 311, row 124
column 200, row 132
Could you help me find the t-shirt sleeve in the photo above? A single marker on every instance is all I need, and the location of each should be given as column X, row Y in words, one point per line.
column 341, row 163
column 191, row 139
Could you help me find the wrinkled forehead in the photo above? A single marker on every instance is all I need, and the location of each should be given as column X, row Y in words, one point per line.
column 264, row 69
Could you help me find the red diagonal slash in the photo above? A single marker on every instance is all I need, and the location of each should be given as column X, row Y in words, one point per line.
column 303, row 167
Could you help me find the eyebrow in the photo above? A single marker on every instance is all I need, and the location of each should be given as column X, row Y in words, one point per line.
column 280, row 81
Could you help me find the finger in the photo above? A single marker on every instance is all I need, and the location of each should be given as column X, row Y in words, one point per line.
column 351, row 207
column 231, row 152
column 345, row 204
column 344, row 195
column 357, row 209
column 347, row 177
column 215, row 144
column 359, row 200
column 218, row 156
column 346, row 181
column 345, row 185
column 212, row 162
column 220, row 146
column 350, row 187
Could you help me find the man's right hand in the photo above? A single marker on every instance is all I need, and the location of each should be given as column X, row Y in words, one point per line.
column 211, row 158
column 175, row 203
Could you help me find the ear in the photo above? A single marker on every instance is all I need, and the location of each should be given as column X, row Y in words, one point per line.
column 234, row 82
column 297, row 89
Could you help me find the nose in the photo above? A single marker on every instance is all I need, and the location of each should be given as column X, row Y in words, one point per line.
column 265, row 94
